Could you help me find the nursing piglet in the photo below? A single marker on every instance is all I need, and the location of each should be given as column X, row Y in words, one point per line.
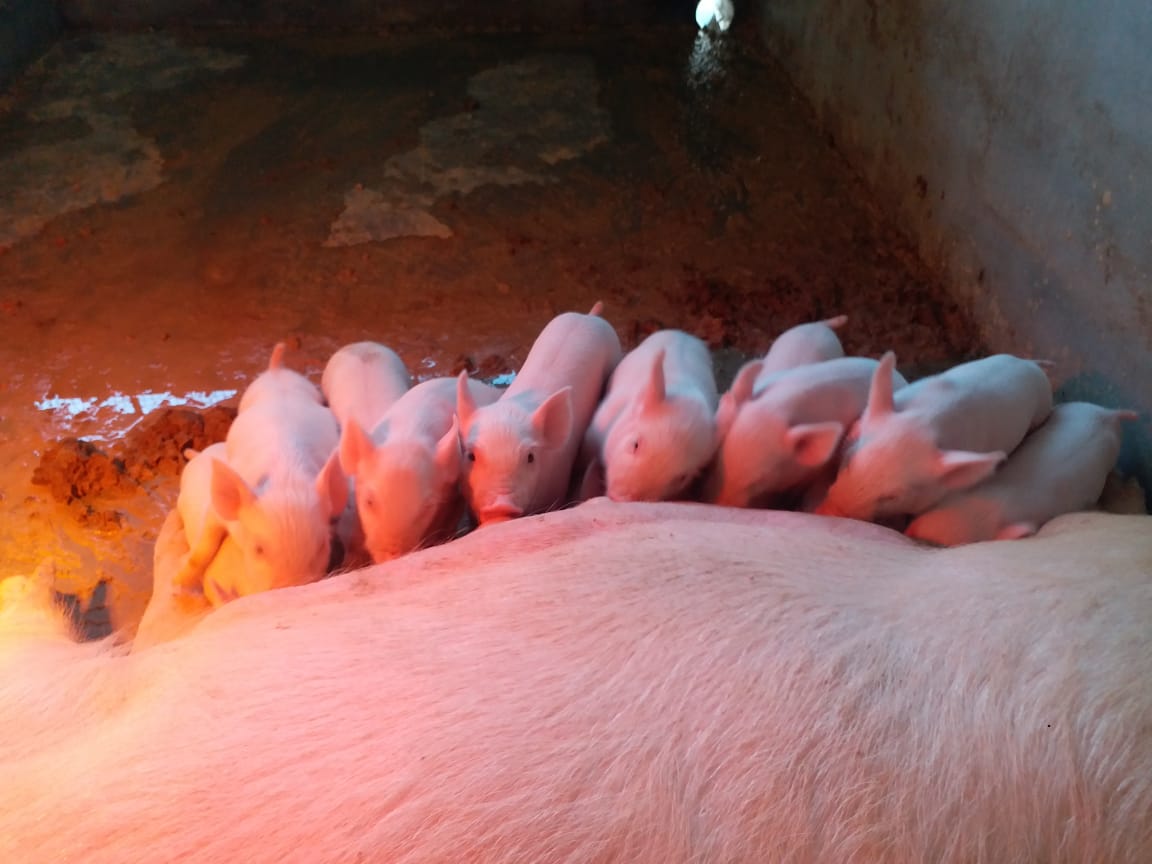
column 275, row 493
column 655, row 430
column 362, row 380
column 1060, row 467
column 406, row 472
column 940, row 434
column 814, row 342
column 194, row 503
column 519, row 451
column 779, row 430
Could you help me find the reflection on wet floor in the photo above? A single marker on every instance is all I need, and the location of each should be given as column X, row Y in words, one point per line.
column 181, row 202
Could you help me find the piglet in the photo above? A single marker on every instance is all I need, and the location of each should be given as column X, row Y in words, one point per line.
column 279, row 382
column 170, row 613
column 1061, row 467
column 361, row 381
column 778, row 430
column 943, row 433
column 655, row 430
column 275, row 493
column 806, row 343
column 194, row 502
column 519, row 451
column 406, row 471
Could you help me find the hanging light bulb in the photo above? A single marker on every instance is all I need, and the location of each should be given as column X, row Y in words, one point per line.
column 719, row 12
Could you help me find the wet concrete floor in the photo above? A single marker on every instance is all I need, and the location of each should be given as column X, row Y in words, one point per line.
column 175, row 204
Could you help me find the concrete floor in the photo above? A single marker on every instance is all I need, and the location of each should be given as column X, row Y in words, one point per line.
column 175, row 205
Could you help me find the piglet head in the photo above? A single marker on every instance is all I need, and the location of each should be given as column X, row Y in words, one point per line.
column 895, row 468
column 284, row 537
column 404, row 490
column 502, row 446
column 763, row 455
column 659, row 445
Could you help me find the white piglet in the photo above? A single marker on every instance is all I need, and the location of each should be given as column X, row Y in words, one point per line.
column 362, row 380
column 224, row 577
column 655, row 430
column 275, row 494
column 519, row 451
column 778, row 430
column 813, row 342
column 1061, row 467
column 803, row 345
column 941, row 433
column 406, row 471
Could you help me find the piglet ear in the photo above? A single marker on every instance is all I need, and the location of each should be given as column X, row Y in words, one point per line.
column 592, row 484
column 355, row 445
column 654, row 391
column 813, row 444
column 725, row 416
column 332, row 486
column 448, row 452
column 465, row 404
column 552, row 421
column 745, row 382
column 959, row 469
column 739, row 393
column 230, row 494
column 1016, row 531
column 880, row 393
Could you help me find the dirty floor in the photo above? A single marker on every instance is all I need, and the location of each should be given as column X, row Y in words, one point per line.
column 175, row 204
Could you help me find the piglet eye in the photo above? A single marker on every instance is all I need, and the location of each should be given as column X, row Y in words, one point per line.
column 531, row 458
column 471, row 456
column 635, row 446
column 258, row 550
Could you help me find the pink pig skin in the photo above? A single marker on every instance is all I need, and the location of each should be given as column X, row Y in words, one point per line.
column 406, row 473
column 655, row 430
column 639, row 683
column 778, row 431
column 806, row 343
column 940, row 434
column 275, row 494
column 362, row 380
column 278, row 382
column 1060, row 467
column 520, row 450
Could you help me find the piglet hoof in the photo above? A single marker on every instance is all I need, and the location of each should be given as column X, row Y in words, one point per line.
column 217, row 596
column 189, row 577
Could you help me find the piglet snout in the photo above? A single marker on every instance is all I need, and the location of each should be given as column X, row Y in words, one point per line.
column 501, row 509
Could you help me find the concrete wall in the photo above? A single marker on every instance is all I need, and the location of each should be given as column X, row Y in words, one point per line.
column 1014, row 140
column 362, row 13
column 26, row 29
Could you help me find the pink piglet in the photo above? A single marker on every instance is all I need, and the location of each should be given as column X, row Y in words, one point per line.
column 520, row 450
column 1061, row 467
